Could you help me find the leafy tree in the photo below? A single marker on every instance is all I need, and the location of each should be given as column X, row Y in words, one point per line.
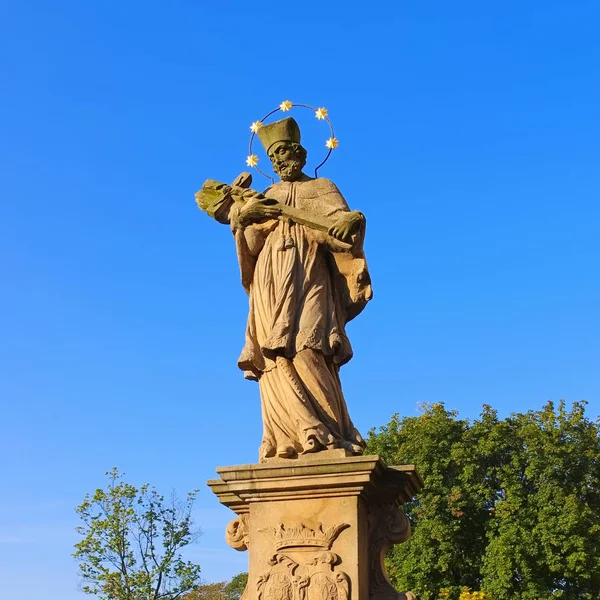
column 236, row 587
column 510, row 507
column 545, row 530
column 208, row 591
column 131, row 543
column 222, row 590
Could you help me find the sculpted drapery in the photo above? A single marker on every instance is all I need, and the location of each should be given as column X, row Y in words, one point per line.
column 296, row 337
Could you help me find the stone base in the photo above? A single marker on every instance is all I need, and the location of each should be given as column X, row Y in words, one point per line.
column 317, row 528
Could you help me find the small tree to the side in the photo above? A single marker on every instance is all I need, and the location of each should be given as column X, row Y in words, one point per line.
column 132, row 541
column 236, row 587
column 222, row 590
column 510, row 507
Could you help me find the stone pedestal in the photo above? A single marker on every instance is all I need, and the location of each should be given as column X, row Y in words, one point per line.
column 317, row 529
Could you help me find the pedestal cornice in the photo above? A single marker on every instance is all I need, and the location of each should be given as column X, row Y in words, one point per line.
column 364, row 476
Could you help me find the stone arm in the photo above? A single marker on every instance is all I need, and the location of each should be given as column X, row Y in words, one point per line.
column 241, row 207
column 251, row 235
column 329, row 220
column 345, row 228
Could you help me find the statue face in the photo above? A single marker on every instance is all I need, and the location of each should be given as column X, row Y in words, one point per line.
column 287, row 160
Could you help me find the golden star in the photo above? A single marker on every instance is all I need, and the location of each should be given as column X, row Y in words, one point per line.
column 285, row 105
column 321, row 113
column 255, row 126
column 252, row 160
column 332, row 143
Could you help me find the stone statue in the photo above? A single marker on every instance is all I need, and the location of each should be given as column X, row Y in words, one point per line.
column 300, row 251
column 318, row 530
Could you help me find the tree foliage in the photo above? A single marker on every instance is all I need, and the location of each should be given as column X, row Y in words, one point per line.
column 207, row 591
column 510, row 507
column 236, row 587
column 222, row 590
column 131, row 543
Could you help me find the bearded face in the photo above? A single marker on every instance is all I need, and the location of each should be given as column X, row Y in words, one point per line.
column 288, row 159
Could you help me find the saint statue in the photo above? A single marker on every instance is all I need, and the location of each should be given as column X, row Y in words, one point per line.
column 300, row 251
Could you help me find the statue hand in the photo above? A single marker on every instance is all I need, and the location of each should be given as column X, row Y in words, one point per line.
column 345, row 227
column 258, row 208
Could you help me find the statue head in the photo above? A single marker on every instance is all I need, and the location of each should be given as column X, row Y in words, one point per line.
column 288, row 160
column 281, row 140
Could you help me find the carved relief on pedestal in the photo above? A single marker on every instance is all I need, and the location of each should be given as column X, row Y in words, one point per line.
column 388, row 525
column 236, row 534
column 307, row 570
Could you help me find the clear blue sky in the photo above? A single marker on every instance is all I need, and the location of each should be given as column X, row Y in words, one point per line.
column 469, row 135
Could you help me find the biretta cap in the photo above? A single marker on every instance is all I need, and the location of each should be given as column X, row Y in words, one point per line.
column 286, row 130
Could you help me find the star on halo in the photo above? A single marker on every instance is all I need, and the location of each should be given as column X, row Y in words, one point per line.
column 252, row 160
column 321, row 113
column 285, row 106
column 332, row 143
column 255, row 126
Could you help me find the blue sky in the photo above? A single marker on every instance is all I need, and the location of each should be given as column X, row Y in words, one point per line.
column 469, row 136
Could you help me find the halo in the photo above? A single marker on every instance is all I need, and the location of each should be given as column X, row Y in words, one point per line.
column 285, row 106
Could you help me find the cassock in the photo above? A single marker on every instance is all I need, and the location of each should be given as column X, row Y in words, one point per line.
column 304, row 286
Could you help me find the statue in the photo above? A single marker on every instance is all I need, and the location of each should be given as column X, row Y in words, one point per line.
column 300, row 252
column 320, row 530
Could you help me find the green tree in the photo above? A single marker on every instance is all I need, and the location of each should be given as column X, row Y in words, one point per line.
column 208, row 591
column 545, row 531
column 236, row 587
column 510, row 507
column 222, row 590
column 131, row 543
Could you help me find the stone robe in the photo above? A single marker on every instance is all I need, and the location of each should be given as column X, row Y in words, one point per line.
column 304, row 286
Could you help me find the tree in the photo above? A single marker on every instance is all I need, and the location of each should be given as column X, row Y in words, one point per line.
column 510, row 507
column 235, row 589
column 208, row 591
column 131, row 543
column 223, row 590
